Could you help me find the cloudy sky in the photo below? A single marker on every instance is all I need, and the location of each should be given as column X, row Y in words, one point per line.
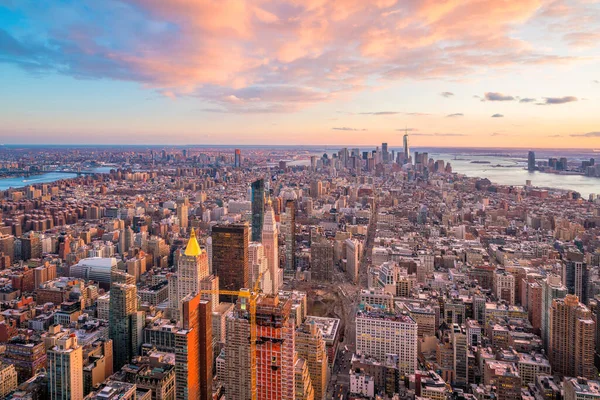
column 519, row 73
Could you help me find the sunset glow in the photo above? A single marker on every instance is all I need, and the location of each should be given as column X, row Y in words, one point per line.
column 454, row 73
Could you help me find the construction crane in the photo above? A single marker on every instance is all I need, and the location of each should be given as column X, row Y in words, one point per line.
column 249, row 299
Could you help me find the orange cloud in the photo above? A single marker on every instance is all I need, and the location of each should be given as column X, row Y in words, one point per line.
column 294, row 53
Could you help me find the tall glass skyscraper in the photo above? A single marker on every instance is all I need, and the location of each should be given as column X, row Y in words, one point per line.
column 230, row 256
column 258, row 209
column 531, row 161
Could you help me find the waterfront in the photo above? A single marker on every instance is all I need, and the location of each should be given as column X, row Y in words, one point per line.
column 512, row 171
column 504, row 169
column 47, row 177
column 502, row 166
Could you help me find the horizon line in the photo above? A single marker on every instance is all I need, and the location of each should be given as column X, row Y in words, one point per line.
column 288, row 145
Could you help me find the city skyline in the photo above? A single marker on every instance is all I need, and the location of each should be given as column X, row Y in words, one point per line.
column 455, row 74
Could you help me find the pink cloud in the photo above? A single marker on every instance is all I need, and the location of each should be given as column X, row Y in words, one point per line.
column 283, row 55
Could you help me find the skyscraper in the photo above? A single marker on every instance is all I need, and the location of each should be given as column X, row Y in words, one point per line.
column 379, row 333
column 123, row 307
column 270, row 242
column 290, row 238
column 316, row 187
column 258, row 209
column 275, row 351
column 65, row 369
column 230, row 256
column 531, row 161
column 191, row 269
column 406, row 149
column 259, row 267
column 237, row 162
column 572, row 335
column 238, row 364
column 206, row 349
column 193, row 350
column 352, row 259
column 384, row 152
column 576, row 275
column 552, row 288
column 321, row 259
column 310, row 345
column 182, row 215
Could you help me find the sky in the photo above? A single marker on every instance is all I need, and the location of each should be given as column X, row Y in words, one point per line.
column 463, row 73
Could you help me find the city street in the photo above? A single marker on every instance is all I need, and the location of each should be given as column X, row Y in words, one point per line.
column 339, row 385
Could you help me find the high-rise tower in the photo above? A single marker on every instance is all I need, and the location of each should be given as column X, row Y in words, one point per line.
column 65, row 367
column 572, row 335
column 310, row 345
column 192, row 267
column 552, row 288
column 531, row 161
column 275, row 351
column 237, row 162
column 384, row 152
column 230, row 256
column 123, row 307
column 193, row 350
column 290, row 238
column 258, row 208
column 270, row 242
column 406, row 148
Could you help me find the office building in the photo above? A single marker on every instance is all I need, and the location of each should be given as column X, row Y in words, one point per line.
column 504, row 285
column 8, row 379
column 259, row 267
column 458, row 337
column 505, row 376
column 321, row 259
column 531, row 161
column 576, row 276
column 384, row 152
column 552, row 288
column 182, row 215
column 193, row 350
column 572, row 338
column 581, row 389
column 122, row 322
column 152, row 372
column 316, row 189
column 310, row 346
column 65, row 369
column 238, row 158
column 531, row 365
column 270, row 241
column 304, row 389
column 379, row 333
column 258, row 209
column 230, row 256
column 31, row 246
column 352, row 259
column 275, row 349
column 192, row 268
column 7, row 248
column 28, row 355
column 406, row 148
column 289, row 227
column 238, row 361
column 275, row 359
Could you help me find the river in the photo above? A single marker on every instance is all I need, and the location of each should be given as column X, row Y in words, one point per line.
column 509, row 168
column 512, row 171
column 47, row 177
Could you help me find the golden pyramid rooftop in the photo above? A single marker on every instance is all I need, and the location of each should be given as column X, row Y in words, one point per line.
column 193, row 248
